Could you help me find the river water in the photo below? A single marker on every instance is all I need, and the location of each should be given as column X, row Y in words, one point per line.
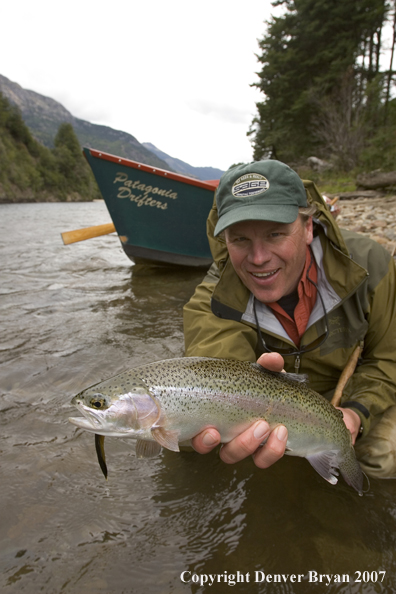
column 72, row 316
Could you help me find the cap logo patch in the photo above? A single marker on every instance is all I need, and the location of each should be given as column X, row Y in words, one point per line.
column 250, row 184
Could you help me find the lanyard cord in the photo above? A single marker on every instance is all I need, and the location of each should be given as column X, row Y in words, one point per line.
column 308, row 348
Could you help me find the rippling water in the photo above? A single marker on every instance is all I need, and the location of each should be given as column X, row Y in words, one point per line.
column 71, row 316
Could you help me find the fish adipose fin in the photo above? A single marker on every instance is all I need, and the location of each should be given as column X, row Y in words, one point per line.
column 326, row 464
column 168, row 439
column 147, row 449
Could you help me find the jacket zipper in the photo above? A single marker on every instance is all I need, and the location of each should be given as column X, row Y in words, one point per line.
column 297, row 362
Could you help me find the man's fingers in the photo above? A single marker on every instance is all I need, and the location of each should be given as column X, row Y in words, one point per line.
column 206, row 441
column 246, row 443
column 273, row 450
column 271, row 361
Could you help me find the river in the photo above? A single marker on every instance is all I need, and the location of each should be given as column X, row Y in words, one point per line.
column 71, row 316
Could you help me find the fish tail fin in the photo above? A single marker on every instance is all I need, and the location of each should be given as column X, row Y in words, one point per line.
column 351, row 471
column 327, row 463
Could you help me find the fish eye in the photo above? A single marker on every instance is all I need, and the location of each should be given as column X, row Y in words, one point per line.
column 98, row 401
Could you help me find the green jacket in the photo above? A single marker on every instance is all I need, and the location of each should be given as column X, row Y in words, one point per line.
column 356, row 279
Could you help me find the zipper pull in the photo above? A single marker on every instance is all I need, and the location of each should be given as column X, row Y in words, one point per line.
column 297, row 362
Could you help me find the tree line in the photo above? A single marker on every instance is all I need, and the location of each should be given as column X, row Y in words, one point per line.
column 327, row 80
column 32, row 171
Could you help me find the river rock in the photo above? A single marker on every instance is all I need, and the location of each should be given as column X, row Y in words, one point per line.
column 372, row 217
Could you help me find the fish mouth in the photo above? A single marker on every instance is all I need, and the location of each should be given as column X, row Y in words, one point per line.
column 98, row 421
column 91, row 421
column 82, row 424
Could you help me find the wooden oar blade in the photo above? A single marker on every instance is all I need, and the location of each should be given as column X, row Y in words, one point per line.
column 87, row 233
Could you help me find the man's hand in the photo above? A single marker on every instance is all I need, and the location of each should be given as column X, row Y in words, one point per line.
column 248, row 443
column 352, row 421
column 274, row 362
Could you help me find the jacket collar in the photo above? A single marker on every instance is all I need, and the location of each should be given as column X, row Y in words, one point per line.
column 339, row 275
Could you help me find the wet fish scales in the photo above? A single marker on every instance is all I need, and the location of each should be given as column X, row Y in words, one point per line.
column 171, row 401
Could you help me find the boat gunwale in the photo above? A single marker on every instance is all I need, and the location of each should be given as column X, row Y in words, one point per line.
column 207, row 185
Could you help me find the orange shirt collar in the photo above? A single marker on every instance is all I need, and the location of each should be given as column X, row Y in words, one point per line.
column 306, row 300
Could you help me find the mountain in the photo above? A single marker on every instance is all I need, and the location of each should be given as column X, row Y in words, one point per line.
column 204, row 173
column 44, row 115
column 32, row 172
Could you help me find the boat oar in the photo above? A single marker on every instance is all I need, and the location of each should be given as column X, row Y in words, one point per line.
column 87, row 233
column 346, row 374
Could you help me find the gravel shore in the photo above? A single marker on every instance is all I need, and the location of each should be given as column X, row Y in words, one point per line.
column 373, row 217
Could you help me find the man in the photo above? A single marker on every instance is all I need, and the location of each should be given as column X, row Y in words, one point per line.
column 286, row 281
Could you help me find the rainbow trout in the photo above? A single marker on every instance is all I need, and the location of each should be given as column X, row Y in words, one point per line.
column 168, row 402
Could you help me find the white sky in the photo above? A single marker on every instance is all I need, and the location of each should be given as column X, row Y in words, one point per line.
column 175, row 73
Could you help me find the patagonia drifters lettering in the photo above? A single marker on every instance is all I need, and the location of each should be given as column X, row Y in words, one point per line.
column 142, row 194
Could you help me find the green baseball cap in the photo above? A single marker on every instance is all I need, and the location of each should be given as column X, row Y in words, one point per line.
column 262, row 191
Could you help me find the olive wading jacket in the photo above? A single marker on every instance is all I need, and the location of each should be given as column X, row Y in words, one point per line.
column 356, row 279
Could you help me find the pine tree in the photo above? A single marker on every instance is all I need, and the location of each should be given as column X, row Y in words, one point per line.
column 32, row 171
column 306, row 55
column 70, row 161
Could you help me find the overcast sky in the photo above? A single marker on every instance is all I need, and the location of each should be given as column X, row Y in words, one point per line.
column 176, row 73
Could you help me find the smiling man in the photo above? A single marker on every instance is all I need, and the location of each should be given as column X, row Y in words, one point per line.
column 287, row 282
column 268, row 257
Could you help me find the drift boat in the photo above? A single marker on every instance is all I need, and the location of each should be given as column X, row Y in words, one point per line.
column 158, row 215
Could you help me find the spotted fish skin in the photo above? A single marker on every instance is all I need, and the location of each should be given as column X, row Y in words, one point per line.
column 171, row 401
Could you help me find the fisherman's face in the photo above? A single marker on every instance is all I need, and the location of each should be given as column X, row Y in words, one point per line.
column 269, row 257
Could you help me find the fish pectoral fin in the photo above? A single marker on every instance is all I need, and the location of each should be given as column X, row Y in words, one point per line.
column 168, row 439
column 147, row 449
column 326, row 464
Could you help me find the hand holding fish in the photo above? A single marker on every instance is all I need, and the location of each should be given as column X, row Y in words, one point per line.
column 239, row 403
column 248, row 443
column 352, row 421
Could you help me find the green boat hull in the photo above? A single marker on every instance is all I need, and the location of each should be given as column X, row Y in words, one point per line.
column 159, row 216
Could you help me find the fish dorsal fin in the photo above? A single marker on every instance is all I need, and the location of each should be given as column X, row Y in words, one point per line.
column 147, row 449
column 168, row 439
column 300, row 378
column 325, row 463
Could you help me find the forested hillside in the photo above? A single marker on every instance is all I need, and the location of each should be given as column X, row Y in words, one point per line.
column 43, row 115
column 327, row 81
column 30, row 171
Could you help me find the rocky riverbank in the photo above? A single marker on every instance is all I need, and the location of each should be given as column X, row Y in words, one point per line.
column 374, row 217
